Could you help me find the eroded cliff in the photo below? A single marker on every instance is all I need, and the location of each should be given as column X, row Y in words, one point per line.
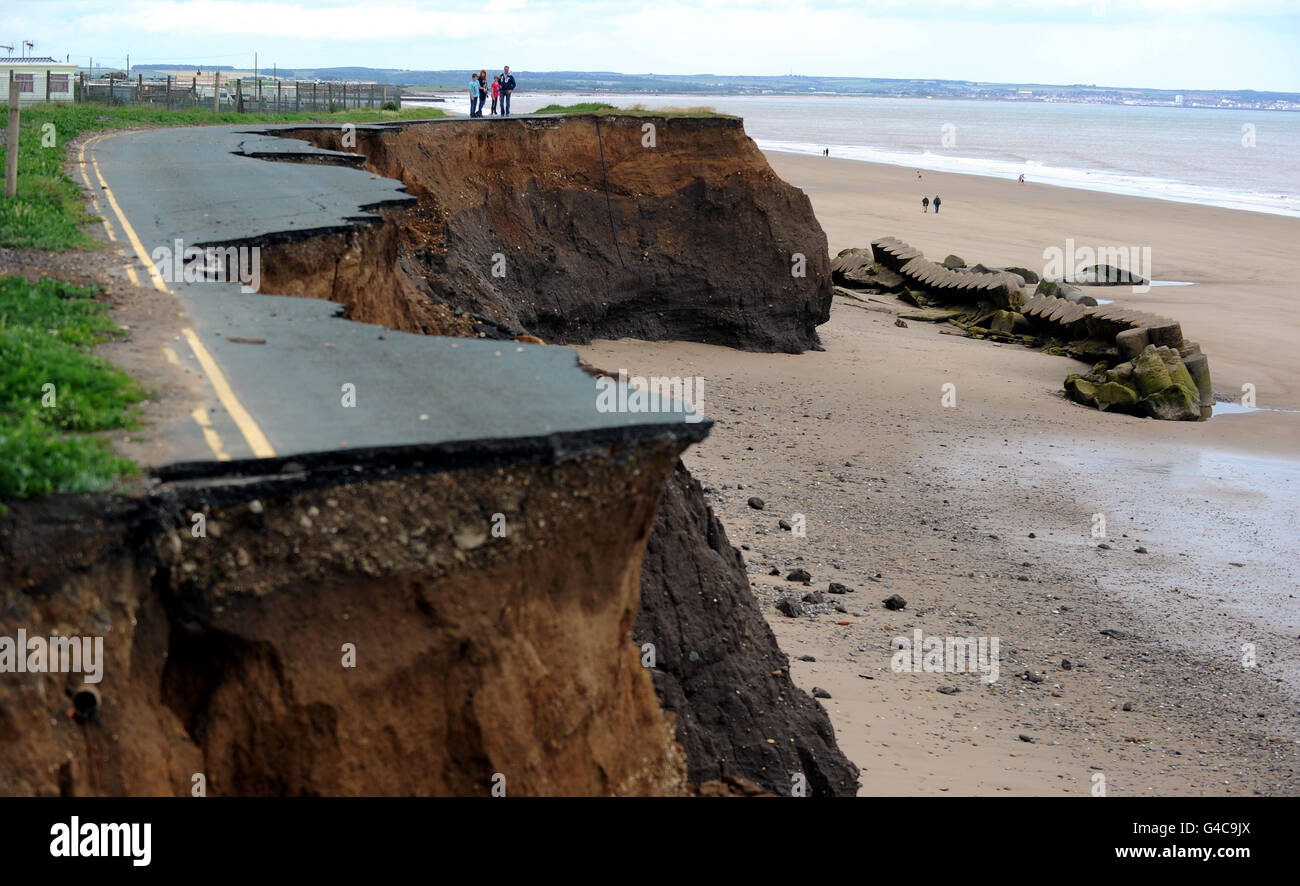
column 414, row 623
column 577, row 228
column 479, row 654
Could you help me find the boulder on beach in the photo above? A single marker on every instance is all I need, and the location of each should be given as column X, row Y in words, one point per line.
column 1108, row 275
column 1174, row 403
column 1027, row 275
column 1132, row 342
column 1166, row 387
column 1198, row 367
column 954, row 262
column 1009, row 322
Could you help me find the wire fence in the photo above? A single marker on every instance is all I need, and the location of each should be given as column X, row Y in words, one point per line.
column 252, row 96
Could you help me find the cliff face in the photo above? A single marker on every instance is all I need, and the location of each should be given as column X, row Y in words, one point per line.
column 719, row 668
column 477, row 656
column 574, row 228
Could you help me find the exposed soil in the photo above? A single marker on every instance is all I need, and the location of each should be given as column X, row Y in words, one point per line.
column 476, row 654
column 573, row 229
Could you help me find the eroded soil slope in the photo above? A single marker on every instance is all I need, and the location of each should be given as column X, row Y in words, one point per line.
column 575, row 228
column 476, row 655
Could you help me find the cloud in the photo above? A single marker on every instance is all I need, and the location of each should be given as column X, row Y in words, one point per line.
column 1179, row 43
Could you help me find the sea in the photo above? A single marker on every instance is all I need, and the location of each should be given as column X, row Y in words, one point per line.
column 1238, row 159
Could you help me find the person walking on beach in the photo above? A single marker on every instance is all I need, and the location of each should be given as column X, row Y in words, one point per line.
column 925, row 204
column 1022, row 178
column 496, row 92
column 507, row 89
column 482, row 91
column 473, row 95
column 936, row 204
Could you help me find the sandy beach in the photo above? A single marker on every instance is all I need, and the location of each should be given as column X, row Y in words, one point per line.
column 982, row 516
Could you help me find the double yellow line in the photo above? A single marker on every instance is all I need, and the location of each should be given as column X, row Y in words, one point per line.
column 253, row 435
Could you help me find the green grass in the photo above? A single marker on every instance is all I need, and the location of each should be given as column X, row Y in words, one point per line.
column 634, row 111
column 48, row 213
column 582, row 108
column 48, row 440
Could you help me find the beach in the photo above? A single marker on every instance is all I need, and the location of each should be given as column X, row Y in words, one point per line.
column 983, row 516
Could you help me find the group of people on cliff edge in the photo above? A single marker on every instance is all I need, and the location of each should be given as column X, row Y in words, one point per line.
column 500, row 88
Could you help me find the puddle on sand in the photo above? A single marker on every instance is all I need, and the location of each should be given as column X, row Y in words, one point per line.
column 1111, row 301
column 1231, row 407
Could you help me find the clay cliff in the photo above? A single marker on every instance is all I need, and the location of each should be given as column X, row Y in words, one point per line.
column 573, row 228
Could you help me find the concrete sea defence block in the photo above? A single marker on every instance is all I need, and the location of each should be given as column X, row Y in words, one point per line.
column 1158, row 373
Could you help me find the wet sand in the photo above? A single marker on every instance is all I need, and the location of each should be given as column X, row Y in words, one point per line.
column 902, row 495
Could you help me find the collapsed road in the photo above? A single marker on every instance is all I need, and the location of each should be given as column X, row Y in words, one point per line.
column 413, row 547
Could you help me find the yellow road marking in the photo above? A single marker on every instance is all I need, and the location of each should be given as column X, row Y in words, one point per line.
column 252, row 433
column 103, row 220
column 140, row 252
column 210, row 434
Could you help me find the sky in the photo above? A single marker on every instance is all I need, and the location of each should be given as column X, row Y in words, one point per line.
column 1167, row 44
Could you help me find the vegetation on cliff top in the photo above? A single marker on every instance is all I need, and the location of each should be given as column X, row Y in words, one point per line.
column 634, row 111
column 55, row 395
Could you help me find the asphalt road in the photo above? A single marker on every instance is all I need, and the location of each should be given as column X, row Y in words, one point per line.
column 288, row 396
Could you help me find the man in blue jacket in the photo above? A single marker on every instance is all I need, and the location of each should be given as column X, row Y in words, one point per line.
column 507, row 87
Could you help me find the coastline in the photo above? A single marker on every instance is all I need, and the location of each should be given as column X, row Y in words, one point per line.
column 903, row 496
column 1095, row 181
column 777, row 126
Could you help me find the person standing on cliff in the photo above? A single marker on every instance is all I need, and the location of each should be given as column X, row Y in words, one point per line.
column 507, row 89
column 925, row 204
column 936, row 204
column 473, row 95
column 482, row 91
column 496, row 92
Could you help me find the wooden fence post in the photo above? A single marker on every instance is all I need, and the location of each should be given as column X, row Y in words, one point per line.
column 139, row 90
column 11, row 144
column 297, row 94
column 277, row 96
column 169, row 92
column 239, row 96
column 329, row 90
column 47, row 84
column 216, row 92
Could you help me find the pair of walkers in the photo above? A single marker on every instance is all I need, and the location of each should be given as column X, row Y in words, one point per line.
column 499, row 87
column 925, row 204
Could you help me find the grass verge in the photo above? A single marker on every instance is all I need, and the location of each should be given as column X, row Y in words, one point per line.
column 48, row 213
column 55, row 395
